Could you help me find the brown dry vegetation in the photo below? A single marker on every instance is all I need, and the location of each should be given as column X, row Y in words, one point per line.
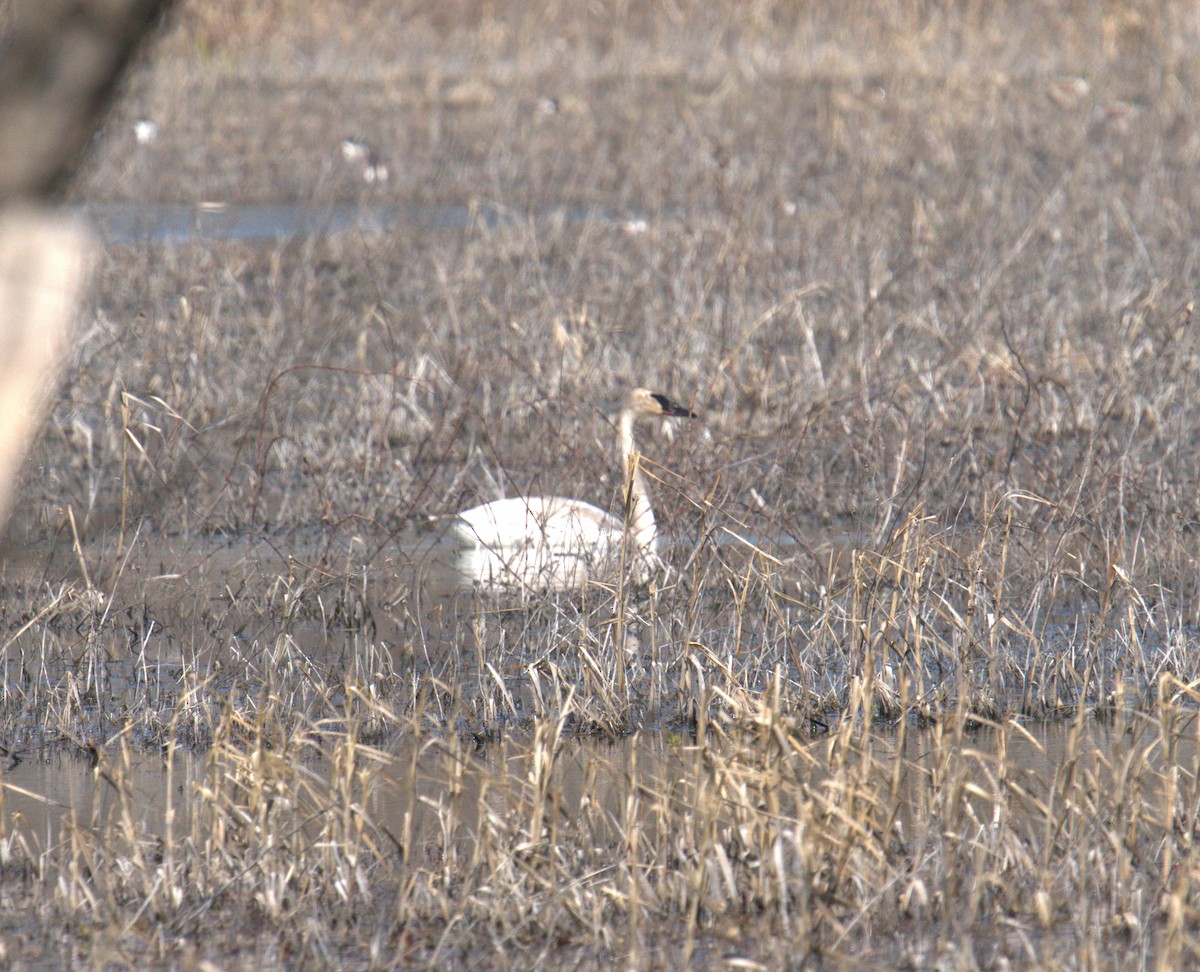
column 928, row 272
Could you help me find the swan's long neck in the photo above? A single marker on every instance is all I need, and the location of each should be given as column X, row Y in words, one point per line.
column 639, row 517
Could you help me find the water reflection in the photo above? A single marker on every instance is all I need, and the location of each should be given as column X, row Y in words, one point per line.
column 140, row 222
column 41, row 794
column 428, row 789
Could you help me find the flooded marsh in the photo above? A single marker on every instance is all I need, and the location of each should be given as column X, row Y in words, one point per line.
column 915, row 685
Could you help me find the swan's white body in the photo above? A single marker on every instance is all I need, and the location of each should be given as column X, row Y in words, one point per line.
column 555, row 541
column 551, row 521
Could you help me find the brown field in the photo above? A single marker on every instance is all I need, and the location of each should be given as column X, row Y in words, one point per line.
column 921, row 690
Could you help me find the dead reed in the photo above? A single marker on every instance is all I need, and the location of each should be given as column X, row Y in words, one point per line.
column 920, row 690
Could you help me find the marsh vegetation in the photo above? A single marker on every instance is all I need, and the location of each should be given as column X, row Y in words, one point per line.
column 920, row 690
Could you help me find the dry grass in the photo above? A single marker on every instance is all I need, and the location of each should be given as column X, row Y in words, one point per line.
column 921, row 690
column 961, row 845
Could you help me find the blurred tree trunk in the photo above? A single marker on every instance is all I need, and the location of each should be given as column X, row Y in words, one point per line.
column 61, row 62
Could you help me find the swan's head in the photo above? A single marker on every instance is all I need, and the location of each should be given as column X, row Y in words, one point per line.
column 648, row 403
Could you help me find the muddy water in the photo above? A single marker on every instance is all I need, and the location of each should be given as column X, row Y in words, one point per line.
column 221, row 606
column 252, row 222
column 43, row 797
column 427, row 790
column 197, row 605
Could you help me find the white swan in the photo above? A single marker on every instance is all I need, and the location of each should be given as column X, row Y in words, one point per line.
column 555, row 541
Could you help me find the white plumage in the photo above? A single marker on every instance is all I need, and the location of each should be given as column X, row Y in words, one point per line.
column 556, row 541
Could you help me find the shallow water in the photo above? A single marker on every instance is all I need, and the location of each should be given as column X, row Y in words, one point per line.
column 40, row 794
column 140, row 222
column 298, row 614
column 423, row 787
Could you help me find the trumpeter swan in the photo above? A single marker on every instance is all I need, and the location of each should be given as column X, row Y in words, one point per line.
column 557, row 541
